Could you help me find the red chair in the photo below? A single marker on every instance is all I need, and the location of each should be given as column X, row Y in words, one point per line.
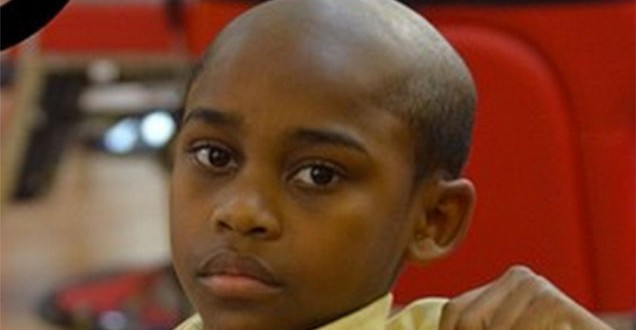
column 553, row 157
column 205, row 19
column 103, row 28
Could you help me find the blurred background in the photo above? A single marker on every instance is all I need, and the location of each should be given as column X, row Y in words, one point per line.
column 86, row 118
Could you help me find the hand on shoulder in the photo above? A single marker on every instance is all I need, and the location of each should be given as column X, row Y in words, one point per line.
column 519, row 300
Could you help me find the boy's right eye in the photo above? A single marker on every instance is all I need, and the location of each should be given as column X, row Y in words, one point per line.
column 215, row 157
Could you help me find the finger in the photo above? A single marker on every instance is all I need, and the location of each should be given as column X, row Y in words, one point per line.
column 455, row 307
column 476, row 313
column 541, row 314
column 552, row 309
column 480, row 313
column 467, row 310
column 517, row 302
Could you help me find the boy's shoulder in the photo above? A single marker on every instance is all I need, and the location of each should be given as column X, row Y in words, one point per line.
column 423, row 314
column 192, row 323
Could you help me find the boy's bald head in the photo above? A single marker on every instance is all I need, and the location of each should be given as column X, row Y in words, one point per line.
column 379, row 51
column 304, row 128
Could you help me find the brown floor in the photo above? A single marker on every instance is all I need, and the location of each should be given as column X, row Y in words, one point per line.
column 102, row 212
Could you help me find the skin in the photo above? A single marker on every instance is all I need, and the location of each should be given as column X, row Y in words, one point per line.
column 277, row 121
column 518, row 300
column 286, row 157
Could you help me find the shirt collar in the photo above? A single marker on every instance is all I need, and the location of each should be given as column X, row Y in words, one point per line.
column 371, row 317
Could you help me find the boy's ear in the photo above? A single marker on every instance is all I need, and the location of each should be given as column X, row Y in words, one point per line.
column 442, row 221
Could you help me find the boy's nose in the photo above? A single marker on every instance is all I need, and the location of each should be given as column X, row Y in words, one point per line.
column 247, row 216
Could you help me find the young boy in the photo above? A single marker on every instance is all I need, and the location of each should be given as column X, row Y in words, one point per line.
column 320, row 148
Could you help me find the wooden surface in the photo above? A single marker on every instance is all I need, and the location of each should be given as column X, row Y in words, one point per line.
column 103, row 212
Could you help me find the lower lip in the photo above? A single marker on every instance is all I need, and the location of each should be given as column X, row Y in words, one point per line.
column 238, row 287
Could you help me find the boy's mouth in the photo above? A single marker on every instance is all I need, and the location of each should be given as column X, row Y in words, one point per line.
column 229, row 275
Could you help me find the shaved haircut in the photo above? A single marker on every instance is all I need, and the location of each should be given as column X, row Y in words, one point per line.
column 424, row 80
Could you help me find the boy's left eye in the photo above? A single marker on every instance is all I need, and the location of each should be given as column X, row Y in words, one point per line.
column 317, row 175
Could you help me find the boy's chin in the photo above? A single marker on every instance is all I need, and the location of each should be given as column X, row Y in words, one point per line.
column 247, row 315
column 235, row 320
column 250, row 317
column 227, row 322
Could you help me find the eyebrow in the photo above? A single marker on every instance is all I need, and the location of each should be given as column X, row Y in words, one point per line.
column 211, row 116
column 320, row 136
column 306, row 135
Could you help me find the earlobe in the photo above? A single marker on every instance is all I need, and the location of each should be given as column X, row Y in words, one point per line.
column 443, row 221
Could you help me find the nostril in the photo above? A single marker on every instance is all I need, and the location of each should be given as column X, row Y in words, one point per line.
column 253, row 231
column 245, row 219
column 258, row 231
column 224, row 226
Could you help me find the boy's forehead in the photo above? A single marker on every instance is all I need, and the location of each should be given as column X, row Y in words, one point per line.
column 351, row 45
column 358, row 23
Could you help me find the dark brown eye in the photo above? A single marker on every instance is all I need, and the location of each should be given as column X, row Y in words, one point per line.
column 215, row 157
column 321, row 175
column 317, row 175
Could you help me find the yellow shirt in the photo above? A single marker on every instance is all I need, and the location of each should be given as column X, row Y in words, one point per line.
column 420, row 315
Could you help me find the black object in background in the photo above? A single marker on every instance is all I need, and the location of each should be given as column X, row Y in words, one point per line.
column 58, row 115
column 19, row 19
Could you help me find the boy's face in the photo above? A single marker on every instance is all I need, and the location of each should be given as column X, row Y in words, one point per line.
column 293, row 198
